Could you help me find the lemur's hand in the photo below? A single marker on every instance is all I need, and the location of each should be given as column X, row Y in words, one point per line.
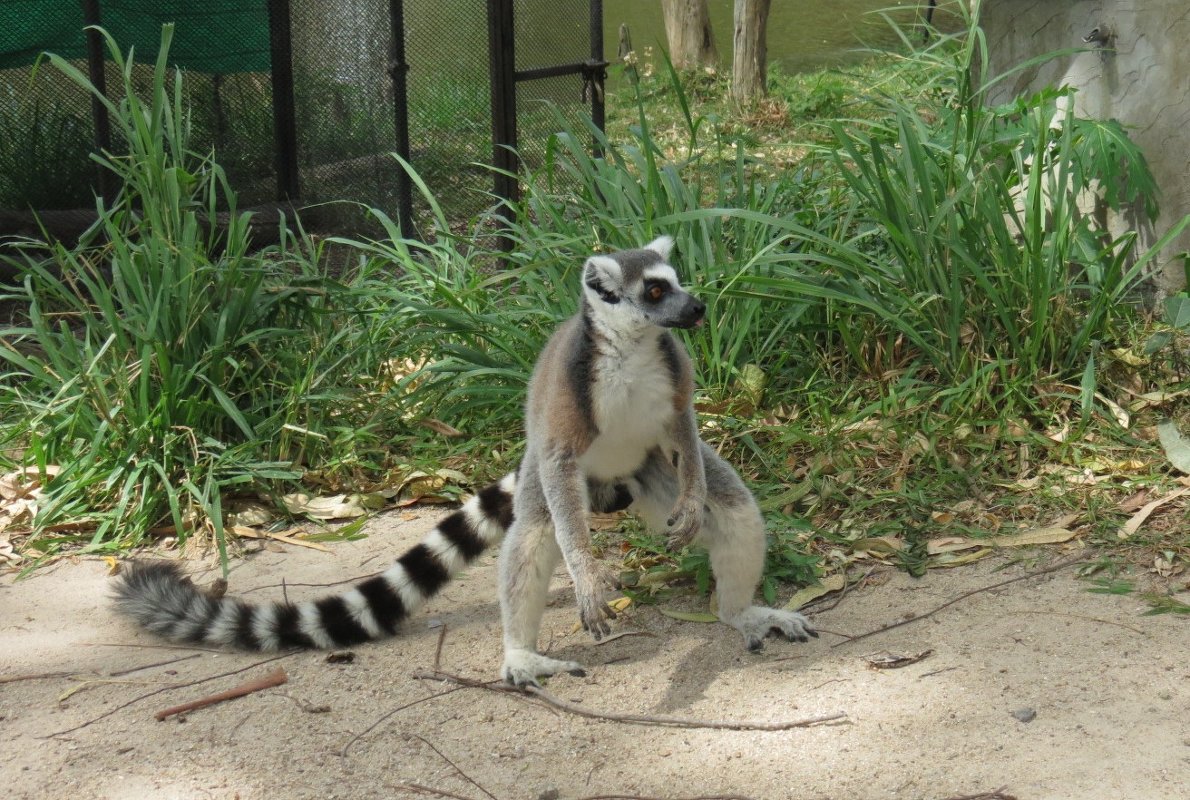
column 684, row 521
column 589, row 591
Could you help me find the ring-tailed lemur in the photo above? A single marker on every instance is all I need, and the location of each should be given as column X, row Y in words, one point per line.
column 610, row 424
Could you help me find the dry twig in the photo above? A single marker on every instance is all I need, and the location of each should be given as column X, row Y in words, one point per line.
column 274, row 678
column 1066, row 562
column 155, row 692
column 455, row 766
column 417, row 788
column 130, row 670
column 632, row 719
column 36, row 676
column 376, row 724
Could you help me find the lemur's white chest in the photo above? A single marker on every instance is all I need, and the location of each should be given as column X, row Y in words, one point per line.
column 632, row 401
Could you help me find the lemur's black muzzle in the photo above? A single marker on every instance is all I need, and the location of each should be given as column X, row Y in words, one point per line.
column 691, row 313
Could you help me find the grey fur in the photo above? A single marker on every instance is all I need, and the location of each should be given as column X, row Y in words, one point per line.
column 610, row 417
column 609, row 422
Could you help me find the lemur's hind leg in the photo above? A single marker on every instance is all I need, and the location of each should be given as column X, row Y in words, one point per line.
column 528, row 559
column 733, row 534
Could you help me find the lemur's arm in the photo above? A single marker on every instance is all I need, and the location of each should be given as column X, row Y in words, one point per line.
column 565, row 490
column 686, row 455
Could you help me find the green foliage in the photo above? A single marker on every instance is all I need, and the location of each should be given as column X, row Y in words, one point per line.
column 163, row 365
column 785, row 560
column 43, row 152
column 959, row 247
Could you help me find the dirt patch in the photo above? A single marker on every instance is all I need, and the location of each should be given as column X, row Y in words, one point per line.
column 1106, row 691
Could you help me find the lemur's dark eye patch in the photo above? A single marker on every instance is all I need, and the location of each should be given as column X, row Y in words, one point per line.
column 655, row 290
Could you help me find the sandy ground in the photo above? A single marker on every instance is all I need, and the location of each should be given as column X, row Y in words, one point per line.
column 1110, row 691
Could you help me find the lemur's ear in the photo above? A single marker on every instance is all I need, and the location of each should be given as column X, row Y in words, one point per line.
column 662, row 245
column 603, row 276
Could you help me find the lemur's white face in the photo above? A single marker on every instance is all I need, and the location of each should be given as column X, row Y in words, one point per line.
column 636, row 288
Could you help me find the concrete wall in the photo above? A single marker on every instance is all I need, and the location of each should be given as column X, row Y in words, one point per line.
column 1141, row 77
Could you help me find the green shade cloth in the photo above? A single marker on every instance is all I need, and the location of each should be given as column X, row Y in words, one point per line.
column 216, row 36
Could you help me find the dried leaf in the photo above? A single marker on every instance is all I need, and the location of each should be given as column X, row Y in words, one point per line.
column 943, row 560
column 24, row 482
column 339, row 506
column 751, row 382
column 878, row 545
column 1135, row 501
column 950, row 544
column 620, row 604
column 1176, row 448
column 1133, row 525
column 441, row 428
column 1049, row 535
column 1153, row 399
column 605, row 522
column 252, row 533
column 250, row 513
column 891, row 661
column 1128, row 357
column 831, row 583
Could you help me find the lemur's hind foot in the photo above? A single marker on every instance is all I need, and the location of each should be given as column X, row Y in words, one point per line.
column 523, row 668
column 758, row 622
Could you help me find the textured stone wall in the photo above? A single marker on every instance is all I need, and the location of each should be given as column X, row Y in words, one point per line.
column 1141, row 77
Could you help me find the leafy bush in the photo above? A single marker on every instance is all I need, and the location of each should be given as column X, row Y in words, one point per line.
column 164, row 364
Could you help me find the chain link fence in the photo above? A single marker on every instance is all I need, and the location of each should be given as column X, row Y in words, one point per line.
column 340, row 95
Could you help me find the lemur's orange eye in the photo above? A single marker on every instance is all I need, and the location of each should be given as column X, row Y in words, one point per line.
column 656, row 293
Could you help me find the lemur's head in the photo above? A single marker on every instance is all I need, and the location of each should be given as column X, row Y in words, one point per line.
column 635, row 288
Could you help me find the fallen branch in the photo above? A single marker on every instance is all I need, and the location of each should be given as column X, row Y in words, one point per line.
column 150, row 666
column 996, row 795
column 274, row 678
column 631, row 719
column 147, row 695
column 1066, row 562
column 37, row 676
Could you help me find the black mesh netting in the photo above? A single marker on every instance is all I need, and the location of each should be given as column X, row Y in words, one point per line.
column 344, row 106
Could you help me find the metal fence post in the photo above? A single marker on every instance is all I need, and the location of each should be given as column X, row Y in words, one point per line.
column 284, row 114
column 96, row 72
column 398, row 70
column 502, row 54
column 597, row 101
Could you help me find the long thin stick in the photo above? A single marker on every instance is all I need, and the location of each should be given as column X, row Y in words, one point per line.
column 388, row 714
column 150, row 666
column 631, row 719
column 274, row 678
column 457, row 769
column 147, row 695
column 1051, row 568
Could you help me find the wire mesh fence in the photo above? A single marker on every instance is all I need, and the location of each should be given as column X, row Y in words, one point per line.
column 358, row 71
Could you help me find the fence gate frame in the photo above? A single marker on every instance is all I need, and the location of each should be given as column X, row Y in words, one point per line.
column 505, row 77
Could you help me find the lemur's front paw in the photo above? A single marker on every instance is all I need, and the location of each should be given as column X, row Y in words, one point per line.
column 589, row 589
column 685, row 522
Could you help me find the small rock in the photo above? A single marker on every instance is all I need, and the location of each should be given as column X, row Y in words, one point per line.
column 1025, row 714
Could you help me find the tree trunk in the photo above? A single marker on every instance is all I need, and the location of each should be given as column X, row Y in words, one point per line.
column 749, row 64
column 688, row 31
